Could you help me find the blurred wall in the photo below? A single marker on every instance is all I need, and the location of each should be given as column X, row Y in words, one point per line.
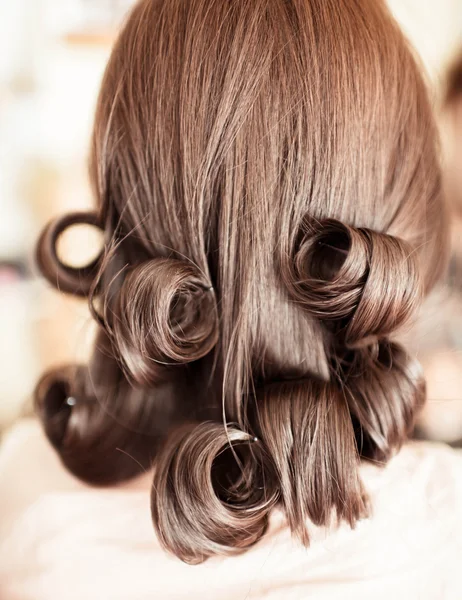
column 52, row 57
column 435, row 29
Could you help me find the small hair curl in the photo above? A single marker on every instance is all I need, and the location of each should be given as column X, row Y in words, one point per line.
column 77, row 281
column 165, row 314
column 367, row 282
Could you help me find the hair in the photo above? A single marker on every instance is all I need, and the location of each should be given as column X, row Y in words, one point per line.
column 453, row 91
column 266, row 176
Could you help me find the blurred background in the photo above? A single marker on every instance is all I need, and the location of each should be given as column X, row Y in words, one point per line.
column 52, row 57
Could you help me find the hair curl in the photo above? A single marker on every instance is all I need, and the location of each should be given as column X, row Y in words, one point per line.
column 164, row 314
column 369, row 282
column 66, row 278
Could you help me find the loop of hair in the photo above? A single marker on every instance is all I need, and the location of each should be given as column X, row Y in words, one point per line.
column 366, row 282
column 94, row 447
column 165, row 314
column 213, row 492
column 385, row 389
column 96, row 421
column 77, row 281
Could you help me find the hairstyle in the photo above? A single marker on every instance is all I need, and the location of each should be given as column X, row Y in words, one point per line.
column 267, row 180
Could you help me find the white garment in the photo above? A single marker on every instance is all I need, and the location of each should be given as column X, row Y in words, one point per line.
column 74, row 543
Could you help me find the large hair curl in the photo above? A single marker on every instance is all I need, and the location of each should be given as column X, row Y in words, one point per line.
column 267, row 181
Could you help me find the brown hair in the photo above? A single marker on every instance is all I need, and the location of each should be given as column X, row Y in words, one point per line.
column 267, row 180
column 453, row 91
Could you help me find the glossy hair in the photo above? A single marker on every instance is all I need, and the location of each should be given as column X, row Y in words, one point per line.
column 267, row 180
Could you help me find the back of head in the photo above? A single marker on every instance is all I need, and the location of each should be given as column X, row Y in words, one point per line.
column 267, row 180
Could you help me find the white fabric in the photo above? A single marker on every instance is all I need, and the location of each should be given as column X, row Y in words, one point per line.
column 70, row 542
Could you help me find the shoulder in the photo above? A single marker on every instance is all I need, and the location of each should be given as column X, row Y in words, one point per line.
column 29, row 467
column 424, row 481
column 24, row 447
column 428, row 464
